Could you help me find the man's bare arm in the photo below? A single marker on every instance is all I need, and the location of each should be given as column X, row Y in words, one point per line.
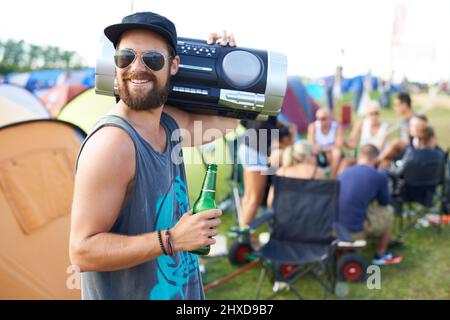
column 355, row 135
column 105, row 170
column 199, row 129
column 311, row 138
column 339, row 137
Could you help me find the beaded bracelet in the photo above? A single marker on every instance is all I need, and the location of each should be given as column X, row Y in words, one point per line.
column 161, row 243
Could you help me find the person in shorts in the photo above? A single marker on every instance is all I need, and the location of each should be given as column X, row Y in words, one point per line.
column 361, row 185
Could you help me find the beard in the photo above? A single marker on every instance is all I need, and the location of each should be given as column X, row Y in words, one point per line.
column 144, row 99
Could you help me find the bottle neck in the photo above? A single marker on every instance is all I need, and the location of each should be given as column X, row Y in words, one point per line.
column 209, row 184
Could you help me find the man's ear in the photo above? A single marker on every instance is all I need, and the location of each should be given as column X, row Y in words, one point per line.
column 175, row 65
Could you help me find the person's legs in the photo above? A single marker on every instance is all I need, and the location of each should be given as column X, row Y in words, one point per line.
column 383, row 242
column 393, row 151
column 346, row 163
column 254, row 187
column 379, row 225
column 334, row 158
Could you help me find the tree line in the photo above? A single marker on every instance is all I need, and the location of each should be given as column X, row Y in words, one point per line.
column 18, row 56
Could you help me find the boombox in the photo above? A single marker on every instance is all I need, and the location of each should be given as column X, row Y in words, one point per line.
column 233, row 82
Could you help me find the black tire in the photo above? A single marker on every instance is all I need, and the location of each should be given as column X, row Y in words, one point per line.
column 237, row 253
column 351, row 268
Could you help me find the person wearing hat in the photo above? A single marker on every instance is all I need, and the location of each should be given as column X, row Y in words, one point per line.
column 132, row 230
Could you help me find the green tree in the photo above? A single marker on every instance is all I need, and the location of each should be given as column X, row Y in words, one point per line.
column 17, row 56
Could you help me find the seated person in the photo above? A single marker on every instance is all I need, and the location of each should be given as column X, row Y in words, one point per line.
column 417, row 122
column 299, row 163
column 403, row 107
column 287, row 135
column 359, row 186
column 370, row 130
column 326, row 138
column 423, row 149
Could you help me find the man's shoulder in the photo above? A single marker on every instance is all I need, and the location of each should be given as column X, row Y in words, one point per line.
column 110, row 145
column 111, row 137
column 360, row 171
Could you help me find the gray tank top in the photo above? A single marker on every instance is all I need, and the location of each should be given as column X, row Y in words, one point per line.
column 157, row 200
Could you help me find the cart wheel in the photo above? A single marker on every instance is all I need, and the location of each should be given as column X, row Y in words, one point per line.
column 351, row 267
column 283, row 271
column 237, row 253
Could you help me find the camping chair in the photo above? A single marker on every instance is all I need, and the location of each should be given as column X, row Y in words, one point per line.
column 445, row 199
column 301, row 234
column 417, row 186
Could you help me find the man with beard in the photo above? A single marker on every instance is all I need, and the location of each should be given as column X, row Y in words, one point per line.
column 132, row 229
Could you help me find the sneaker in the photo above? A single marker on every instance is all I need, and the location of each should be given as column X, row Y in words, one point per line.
column 387, row 258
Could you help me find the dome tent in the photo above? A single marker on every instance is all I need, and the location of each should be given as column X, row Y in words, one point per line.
column 86, row 109
column 37, row 161
column 10, row 113
column 24, row 98
column 298, row 107
column 57, row 97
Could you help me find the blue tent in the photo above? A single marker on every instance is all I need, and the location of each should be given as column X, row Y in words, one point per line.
column 44, row 79
column 86, row 77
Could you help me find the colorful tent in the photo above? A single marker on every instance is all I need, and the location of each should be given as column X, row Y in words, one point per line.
column 85, row 109
column 37, row 161
column 85, row 77
column 40, row 81
column 11, row 113
column 57, row 97
column 24, row 98
column 298, row 107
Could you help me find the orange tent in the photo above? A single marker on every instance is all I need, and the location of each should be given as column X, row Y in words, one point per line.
column 37, row 161
column 58, row 96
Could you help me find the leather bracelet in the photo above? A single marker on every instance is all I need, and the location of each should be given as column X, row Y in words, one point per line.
column 169, row 243
column 161, row 243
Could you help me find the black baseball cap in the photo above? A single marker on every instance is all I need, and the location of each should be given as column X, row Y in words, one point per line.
column 147, row 21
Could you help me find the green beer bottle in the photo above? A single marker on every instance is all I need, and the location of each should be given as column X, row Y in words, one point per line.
column 206, row 199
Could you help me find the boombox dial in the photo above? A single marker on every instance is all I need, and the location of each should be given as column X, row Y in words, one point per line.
column 228, row 81
column 241, row 68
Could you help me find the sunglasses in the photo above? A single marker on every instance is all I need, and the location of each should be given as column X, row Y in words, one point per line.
column 153, row 60
column 375, row 113
column 322, row 119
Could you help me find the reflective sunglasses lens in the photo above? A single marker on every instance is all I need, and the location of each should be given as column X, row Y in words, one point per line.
column 153, row 60
column 123, row 58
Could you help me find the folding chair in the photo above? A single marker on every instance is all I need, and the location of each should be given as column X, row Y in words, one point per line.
column 418, row 185
column 301, row 239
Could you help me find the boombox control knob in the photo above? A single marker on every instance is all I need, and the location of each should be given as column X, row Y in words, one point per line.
column 241, row 68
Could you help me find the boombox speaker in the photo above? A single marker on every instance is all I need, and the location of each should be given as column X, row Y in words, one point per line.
column 233, row 82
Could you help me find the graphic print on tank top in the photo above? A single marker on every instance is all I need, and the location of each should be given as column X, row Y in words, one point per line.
column 173, row 272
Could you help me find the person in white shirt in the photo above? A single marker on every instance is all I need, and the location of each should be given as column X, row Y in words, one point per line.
column 326, row 137
column 370, row 130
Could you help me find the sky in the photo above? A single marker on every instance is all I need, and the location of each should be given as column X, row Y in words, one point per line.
column 316, row 35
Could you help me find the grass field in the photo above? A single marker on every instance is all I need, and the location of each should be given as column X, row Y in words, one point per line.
column 424, row 273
